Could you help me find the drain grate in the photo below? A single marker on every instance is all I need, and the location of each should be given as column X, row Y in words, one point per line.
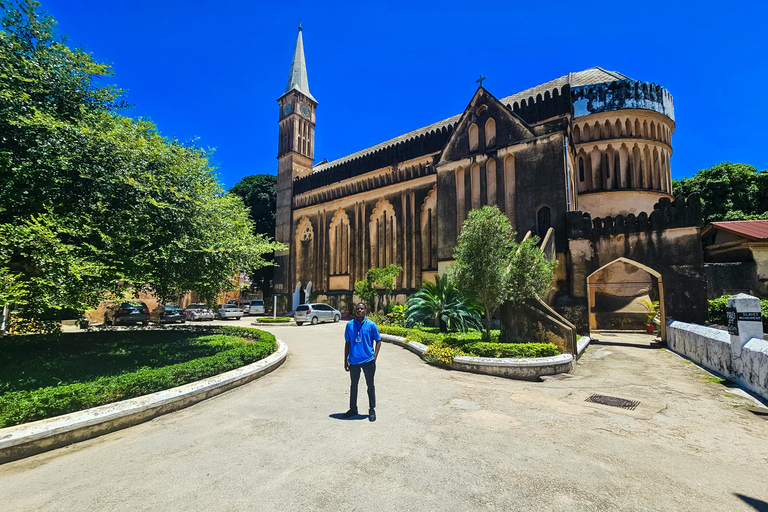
column 614, row 402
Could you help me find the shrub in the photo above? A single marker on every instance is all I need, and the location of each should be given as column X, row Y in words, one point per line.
column 394, row 330
column 17, row 407
column 717, row 311
column 273, row 320
column 440, row 354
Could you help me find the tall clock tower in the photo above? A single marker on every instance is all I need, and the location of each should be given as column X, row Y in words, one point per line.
column 295, row 154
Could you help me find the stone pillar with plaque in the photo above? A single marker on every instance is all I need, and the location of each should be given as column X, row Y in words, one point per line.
column 744, row 323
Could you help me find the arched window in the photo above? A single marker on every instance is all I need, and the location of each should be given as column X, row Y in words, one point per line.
column 576, row 134
column 509, row 188
column 490, row 181
column 581, row 169
column 305, row 244
column 490, row 132
column 460, row 198
column 383, row 230
column 543, row 221
column 474, row 176
column 338, row 237
column 429, row 231
column 474, row 143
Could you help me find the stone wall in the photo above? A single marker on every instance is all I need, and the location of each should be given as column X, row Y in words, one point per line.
column 711, row 348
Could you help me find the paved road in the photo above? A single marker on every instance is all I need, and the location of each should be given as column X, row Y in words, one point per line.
column 443, row 441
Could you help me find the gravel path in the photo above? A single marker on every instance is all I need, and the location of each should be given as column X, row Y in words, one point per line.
column 443, row 441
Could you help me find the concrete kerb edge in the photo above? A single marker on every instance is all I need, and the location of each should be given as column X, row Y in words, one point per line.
column 37, row 437
column 274, row 324
column 502, row 367
column 582, row 345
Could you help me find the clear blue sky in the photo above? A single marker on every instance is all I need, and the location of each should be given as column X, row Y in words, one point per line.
column 213, row 70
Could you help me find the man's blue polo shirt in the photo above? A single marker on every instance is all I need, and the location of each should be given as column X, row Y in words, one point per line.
column 361, row 337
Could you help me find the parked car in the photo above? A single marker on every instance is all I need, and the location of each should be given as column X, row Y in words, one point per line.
column 315, row 313
column 168, row 313
column 245, row 307
column 198, row 312
column 228, row 311
column 256, row 307
column 127, row 312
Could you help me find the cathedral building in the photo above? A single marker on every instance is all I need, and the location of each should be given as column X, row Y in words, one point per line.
column 581, row 161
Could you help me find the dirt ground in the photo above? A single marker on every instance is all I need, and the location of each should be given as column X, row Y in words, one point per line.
column 443, row 440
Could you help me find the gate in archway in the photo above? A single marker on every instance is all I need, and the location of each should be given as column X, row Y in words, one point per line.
column 619, row 294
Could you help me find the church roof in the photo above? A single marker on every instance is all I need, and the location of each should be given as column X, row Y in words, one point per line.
column 297, row 77
column 596, row 75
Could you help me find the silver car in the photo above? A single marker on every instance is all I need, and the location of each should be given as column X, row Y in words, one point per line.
column 314, row 313
column 256, row 307
column 198, row 312
column 228, row 311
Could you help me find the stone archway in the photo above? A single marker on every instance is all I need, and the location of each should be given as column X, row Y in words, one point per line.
column 614, row 292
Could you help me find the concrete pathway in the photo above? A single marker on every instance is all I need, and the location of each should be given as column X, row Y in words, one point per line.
column 443, row 441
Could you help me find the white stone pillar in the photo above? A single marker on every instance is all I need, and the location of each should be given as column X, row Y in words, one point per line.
column 744, row 323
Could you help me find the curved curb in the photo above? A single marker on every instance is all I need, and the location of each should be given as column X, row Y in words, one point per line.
column 523, row 369
column 40, row 436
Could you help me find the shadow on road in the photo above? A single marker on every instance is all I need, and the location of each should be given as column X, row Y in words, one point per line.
column 338, row 416
column 759, row 505
column 653, row 346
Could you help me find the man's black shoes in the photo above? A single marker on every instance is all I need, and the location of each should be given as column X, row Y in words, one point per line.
column 349, row 414
column 371, row 415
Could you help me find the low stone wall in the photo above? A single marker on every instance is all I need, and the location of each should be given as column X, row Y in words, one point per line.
column 711, row 348
column 522, row 369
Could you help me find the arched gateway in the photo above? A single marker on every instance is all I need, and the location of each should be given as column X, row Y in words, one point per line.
column 615, row 292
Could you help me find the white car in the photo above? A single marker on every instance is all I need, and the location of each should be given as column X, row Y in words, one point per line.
column 198, row 312
column 257, row 307
column 229, row 311
column 314, row 313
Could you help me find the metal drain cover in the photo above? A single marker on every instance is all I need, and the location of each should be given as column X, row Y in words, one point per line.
column 613, row 401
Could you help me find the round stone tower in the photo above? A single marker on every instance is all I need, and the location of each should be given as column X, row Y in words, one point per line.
column 622, row 131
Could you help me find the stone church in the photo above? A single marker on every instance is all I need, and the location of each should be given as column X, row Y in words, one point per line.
column 581, row 161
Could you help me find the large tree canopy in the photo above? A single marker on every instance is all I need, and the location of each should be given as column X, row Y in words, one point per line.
column 728, row 192
column 259, row 193
column 492, row 268
column 93, row 202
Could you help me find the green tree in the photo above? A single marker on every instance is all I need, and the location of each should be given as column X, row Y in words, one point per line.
column 728, row 192
column 378, row 279
column 492, row 268
column 259, row 193
column 444, row 303
column 93, row 203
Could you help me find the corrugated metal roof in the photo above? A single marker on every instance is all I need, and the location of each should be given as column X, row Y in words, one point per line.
column 596, row 75
column 752, row 229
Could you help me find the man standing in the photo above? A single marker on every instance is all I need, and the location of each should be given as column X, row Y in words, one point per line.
column 360, row 354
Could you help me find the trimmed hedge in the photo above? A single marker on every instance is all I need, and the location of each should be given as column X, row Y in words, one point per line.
column 274, row 320
column 443, row 347
column 517, row 350
column 19, row 407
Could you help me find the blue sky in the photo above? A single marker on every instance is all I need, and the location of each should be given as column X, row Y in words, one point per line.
column 214, row 70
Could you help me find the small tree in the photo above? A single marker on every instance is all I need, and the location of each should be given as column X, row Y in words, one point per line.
column 492, row 268
column 384, row 279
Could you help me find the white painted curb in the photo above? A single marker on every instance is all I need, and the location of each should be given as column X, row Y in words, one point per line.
column 40, row 436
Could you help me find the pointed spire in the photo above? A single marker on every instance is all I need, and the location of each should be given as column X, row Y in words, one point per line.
column 297, row 78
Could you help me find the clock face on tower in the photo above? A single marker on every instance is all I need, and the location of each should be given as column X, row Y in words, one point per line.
column 287, row 109
column 304, row 110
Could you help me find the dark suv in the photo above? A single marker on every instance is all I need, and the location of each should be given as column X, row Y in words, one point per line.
column 128, row 312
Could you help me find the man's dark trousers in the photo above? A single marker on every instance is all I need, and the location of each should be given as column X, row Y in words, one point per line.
column 369, row 369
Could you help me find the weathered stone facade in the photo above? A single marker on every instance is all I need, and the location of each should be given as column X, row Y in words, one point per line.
column 593, row 142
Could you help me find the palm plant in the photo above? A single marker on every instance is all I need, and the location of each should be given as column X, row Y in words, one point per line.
column 446, row 304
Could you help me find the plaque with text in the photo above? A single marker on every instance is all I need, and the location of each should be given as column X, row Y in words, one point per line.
column 733, row 326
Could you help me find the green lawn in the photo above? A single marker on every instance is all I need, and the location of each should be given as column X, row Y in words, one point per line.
column 44, row 375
